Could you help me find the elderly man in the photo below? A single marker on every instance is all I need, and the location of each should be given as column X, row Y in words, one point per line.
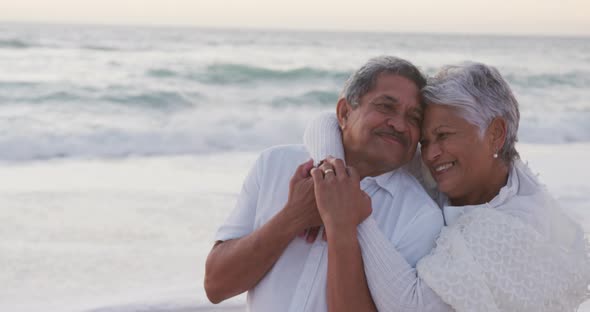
column 258, row 248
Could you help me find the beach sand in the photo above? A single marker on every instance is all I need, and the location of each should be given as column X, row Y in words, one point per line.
column 133, row 234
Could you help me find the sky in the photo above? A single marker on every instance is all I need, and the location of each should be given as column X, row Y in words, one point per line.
column 538, row 17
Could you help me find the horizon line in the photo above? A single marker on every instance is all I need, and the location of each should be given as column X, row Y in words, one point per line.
column 292, row 29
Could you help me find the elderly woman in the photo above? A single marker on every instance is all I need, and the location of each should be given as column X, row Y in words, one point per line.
column 506, row 245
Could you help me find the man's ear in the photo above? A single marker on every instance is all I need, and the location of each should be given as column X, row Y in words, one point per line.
column 343, row 110
column 497, row 133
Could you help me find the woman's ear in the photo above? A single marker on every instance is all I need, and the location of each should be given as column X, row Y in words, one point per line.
column 343, row 109
column 497, row 133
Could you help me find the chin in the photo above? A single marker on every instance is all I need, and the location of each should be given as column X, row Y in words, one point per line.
column 385, row 159
column 445, row 187
column 395, row 163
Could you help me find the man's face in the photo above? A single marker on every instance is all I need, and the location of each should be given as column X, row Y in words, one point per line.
column 381, row 133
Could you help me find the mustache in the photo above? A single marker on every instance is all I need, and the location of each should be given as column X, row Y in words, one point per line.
column 398, row 135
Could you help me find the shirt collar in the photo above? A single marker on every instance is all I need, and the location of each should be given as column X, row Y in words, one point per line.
column 385, row 181
column 508, row 190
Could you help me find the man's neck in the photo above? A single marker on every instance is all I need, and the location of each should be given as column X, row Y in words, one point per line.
column 363, row 167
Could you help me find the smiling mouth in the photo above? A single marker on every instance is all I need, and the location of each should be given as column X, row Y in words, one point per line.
column 444, row 167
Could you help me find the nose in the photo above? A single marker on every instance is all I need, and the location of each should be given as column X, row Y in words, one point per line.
column 430, row 152
column 398, row 123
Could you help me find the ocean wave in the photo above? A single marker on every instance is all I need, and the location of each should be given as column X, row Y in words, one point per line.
column 11, row 85
column 37, row 98
column 22, row 44
column 120, row 134
column 84, row 96
column 200, row 131
column 227, row 74
column 555, row 127
column 313, row 98
column 236, row 73
column 100, row 48
column 15, row 44
column 576, row 79
column 57, row 96
column 162, row 73
column 155, row 99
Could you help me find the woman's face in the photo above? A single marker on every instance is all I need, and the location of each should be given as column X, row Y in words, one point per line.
column 459, row 159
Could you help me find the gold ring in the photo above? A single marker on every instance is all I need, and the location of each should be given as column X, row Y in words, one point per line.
column 328, row 170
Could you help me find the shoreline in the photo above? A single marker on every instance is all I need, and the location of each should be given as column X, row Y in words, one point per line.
column 133, row 235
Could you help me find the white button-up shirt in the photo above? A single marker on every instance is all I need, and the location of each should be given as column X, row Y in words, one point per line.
column 298, row 280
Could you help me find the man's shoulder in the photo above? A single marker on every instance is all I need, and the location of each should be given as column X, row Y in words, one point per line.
column 285, row 148
column 294, row 151
column 283, row 156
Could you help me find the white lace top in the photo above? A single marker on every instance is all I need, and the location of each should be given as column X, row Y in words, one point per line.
column 518, row 252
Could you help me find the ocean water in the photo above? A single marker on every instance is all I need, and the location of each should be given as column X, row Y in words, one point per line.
column 123, row 148
column 79, row 91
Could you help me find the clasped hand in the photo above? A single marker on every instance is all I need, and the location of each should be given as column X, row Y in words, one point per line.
column 329, row 195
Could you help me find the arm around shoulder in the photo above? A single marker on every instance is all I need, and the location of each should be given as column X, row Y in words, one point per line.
column 322, row 138
column 394, row 283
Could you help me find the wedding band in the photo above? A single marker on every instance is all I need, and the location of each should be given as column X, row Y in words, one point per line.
column 328, row 170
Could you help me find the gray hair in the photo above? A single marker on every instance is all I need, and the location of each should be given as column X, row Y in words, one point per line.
column 364, row 79
column 480, row 94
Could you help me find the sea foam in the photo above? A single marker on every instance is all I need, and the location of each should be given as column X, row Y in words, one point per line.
column 117, row 92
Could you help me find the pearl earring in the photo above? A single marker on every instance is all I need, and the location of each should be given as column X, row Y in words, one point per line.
column 495, row 155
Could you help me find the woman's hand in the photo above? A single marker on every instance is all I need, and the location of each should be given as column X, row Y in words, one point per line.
column 341, row 203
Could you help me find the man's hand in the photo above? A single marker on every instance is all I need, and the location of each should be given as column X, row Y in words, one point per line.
column 237, row 265
column 341, row 203
column 301, row 204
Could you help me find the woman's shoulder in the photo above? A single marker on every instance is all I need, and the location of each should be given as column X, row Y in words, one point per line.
column 530, row 201
column 528, row 181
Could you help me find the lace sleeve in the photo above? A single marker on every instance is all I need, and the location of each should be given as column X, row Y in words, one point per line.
column 394, row 284
column 322, row 138
column 491, row 261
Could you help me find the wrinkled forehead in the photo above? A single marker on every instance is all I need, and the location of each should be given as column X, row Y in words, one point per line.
column 398, row 89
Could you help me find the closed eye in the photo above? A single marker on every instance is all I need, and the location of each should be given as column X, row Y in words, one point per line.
column 385, row 103
column 384, row 106
column 416, row 119
column 443, row 135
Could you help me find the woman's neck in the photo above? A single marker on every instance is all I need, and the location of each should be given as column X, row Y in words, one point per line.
column 487, row 190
